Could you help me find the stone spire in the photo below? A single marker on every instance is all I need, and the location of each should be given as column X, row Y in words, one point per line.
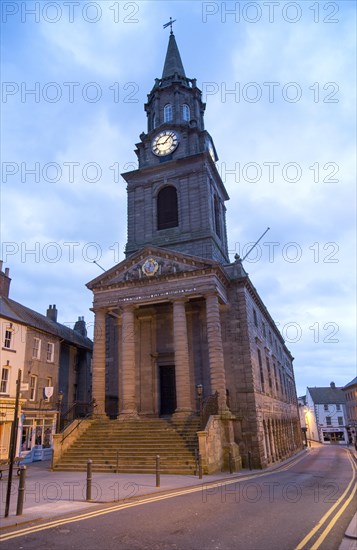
column 173, row 63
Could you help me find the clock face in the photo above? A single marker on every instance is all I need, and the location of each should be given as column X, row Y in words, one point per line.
column 165, row 143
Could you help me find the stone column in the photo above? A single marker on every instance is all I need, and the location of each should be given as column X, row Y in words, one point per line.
column 128, row 406
column 271, row 440
column 182, row 360
column 98, row 363
column 215, row 350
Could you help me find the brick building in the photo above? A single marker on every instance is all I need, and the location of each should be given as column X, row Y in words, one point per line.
column 176, row 316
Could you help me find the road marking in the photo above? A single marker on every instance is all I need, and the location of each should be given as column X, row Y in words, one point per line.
column 332, row 523
column 147, row 500
column 328, row 513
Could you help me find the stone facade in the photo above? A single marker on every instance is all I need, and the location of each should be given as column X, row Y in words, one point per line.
column 175, row 314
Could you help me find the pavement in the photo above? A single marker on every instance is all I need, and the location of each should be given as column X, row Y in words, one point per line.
column 51, row 494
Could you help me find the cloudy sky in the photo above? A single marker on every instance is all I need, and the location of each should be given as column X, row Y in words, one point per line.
column 278, row 79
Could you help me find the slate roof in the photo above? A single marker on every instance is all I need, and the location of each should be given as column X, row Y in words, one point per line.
column 21, row 314
column 352, row 383
column 327, row 395
column 173, row 63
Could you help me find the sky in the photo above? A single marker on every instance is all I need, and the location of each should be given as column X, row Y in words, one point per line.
column 278, row 80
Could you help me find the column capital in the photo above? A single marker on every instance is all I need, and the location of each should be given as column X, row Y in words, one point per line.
column 99, row 310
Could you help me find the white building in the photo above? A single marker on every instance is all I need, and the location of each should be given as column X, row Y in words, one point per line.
column 326, row 415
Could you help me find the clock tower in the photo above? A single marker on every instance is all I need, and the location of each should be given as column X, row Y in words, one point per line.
column 176, row 197
column 178, row 327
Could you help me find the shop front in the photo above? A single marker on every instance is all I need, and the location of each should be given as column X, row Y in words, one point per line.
column 37, row 432
column 334, row 436
column 7, row 410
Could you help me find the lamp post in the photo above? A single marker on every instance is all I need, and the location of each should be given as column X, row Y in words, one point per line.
column 59, row 406
column 199, row 391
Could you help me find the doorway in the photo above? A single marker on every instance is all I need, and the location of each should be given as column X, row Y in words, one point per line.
column 167, row 390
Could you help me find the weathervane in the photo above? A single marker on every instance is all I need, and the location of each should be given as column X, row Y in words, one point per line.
column 169, row 24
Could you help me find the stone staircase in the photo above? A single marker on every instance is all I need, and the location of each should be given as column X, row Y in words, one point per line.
column 131, row 446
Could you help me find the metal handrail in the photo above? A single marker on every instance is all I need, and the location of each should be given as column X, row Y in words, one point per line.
column 94, row 404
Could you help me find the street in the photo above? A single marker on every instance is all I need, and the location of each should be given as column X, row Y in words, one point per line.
column 307, row 503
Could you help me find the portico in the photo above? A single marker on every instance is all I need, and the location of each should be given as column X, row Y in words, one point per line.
column 168, row 332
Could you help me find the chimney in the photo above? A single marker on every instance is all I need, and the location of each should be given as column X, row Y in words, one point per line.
column 52, row 313
column 4, row 281
column 80, row 326
column 332, row 385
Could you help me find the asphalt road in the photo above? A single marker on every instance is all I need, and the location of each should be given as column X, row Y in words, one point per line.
column 306, row 504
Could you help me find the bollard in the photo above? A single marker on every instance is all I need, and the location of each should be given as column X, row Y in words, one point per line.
column 199, row 466
column 230, row 461
column 250, row 460
column 21, row 491
column 89, row 479
column 157, row 470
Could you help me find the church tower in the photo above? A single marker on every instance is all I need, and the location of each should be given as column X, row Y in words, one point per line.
column 176, row 197
column 179, row 329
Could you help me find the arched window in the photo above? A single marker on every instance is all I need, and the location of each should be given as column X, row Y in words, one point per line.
column 217, row 217
column 186, row 112
column 168, row 113
column 154, row 121
column 167, row 211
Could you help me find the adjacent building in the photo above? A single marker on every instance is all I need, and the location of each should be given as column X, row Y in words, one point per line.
column 326, row 415
column 55, row 363
column 350, row 391
column 176, row 315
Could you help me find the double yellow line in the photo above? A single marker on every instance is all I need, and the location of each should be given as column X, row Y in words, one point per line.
column 145, row 500
column 340, row 511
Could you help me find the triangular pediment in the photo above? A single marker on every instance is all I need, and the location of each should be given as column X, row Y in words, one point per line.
column 151, row 263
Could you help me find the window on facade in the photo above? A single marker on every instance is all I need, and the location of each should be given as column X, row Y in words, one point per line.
column 276, row 378
column 8, row 336
column 264, row 330
column 154, row 121
column 338, row 407
column 50, row 352
column 340, row 420
column 185, row 112
column 4, row 382
column 325, row 407
column 36, row 345
column 33, row 387
column 261, row 369
column 328, row 421
column 217, row 217
column 167, row 210
column 168, row 113
column 255, row 317
column 269, row 373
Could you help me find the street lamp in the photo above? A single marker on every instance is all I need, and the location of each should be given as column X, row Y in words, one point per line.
column 199, row 391
column 59, row 406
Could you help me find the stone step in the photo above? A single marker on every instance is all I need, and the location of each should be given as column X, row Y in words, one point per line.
column 138, row 443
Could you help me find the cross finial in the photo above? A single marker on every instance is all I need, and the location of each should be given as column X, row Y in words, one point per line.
column 169, row 24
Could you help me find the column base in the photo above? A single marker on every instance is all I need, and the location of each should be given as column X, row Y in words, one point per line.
column 128, row 415
column 182, row 414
